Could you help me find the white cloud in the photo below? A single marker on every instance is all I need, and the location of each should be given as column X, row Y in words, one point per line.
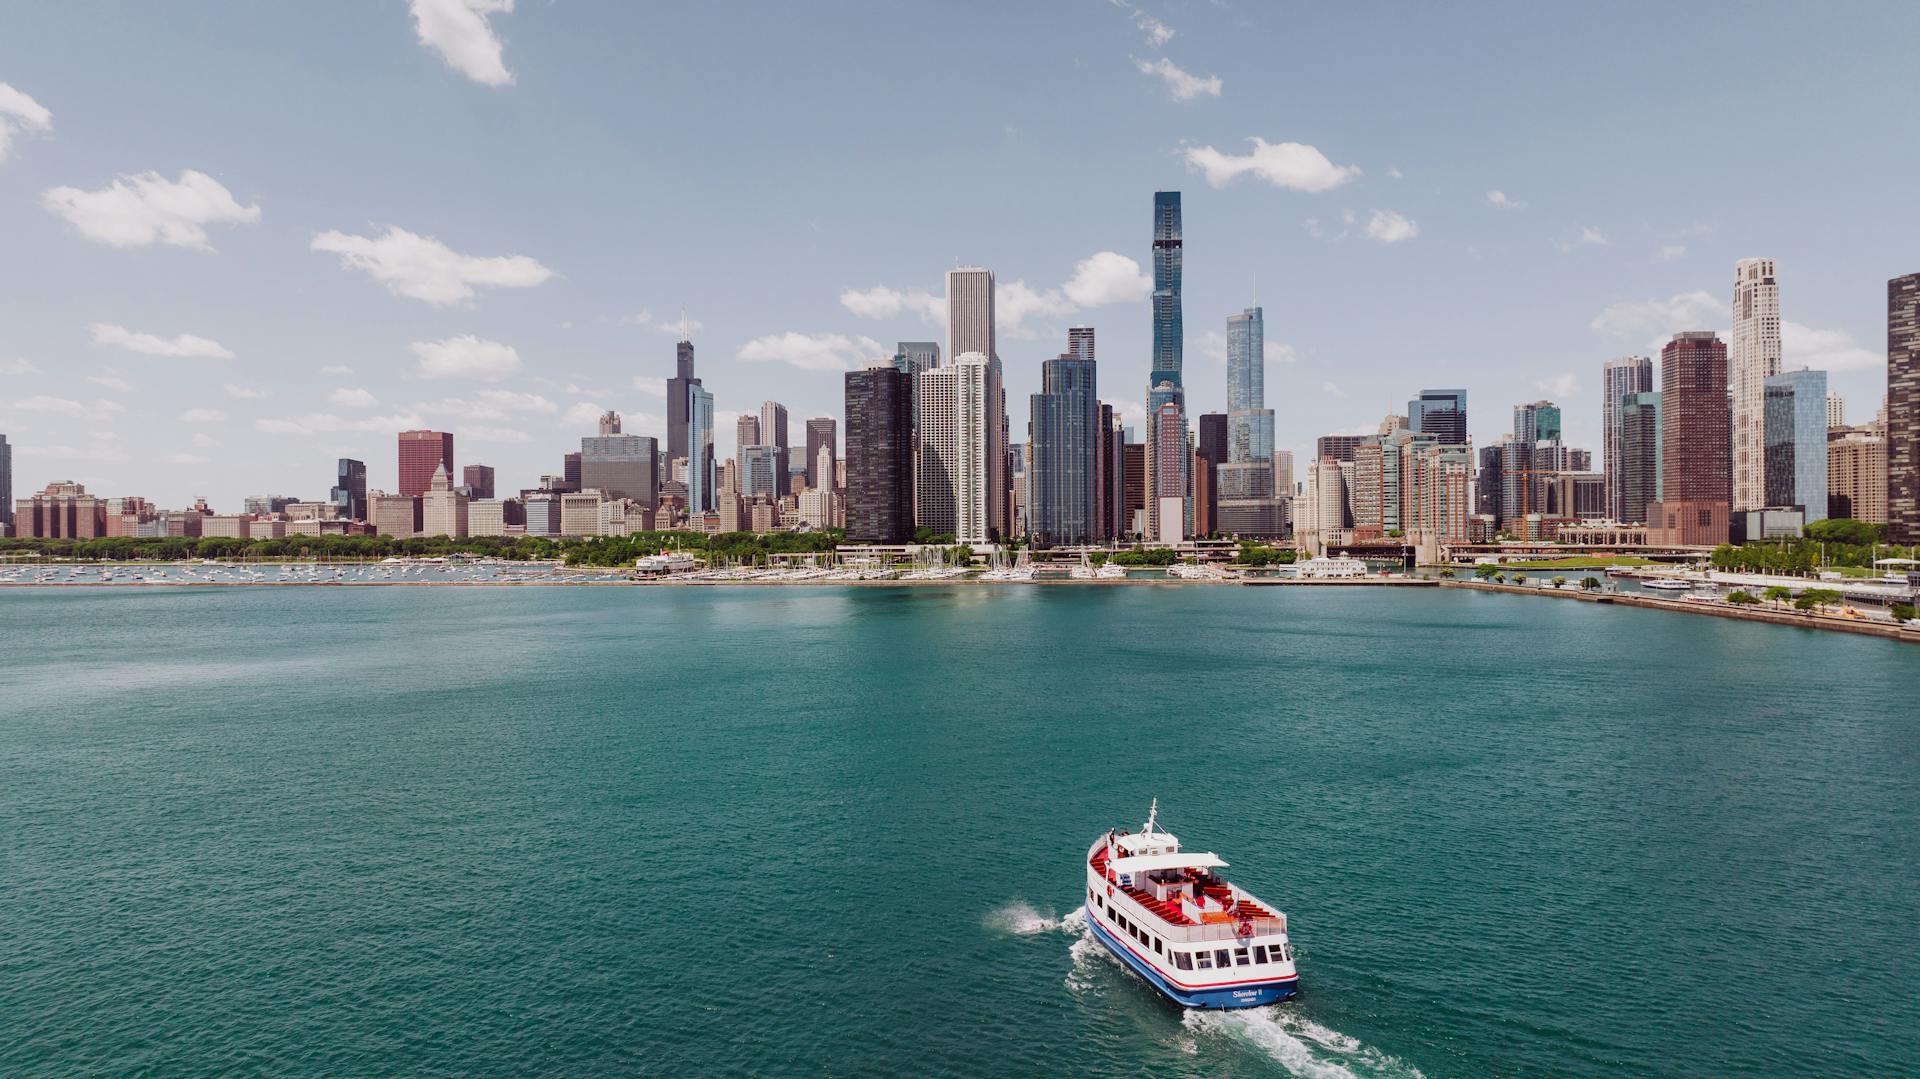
column 19, row 365
column 137, row 211
column 494, row 434
column 1565, row 384
column 1670, row 252
column 1390, row 227
column 423, row 268
column 466, row 356
column 459, row 32
column 676, row 328
column 1291, row 165
column 1499, row 198
column 204, row 441
column 1278, row 352
column 1825, row 350
column 651, row 385
column 1213, row 345
column 247, row 393
column 187, row 459
column 20, row 114
column 316, row 423
column 1181, row 85
column 183, row 346
column 1157, row 32
column 1396, row 174
column 1332, row 390
column 203, row 415
column 1107, row 277
column 883, row 302
column 1683, row 311
column 587, row 414
column 1104, row 277
column 515, row 401
column 814, row 351
column 1588, row 237
column 352, row 398
column 65, row 406
column 111, row 382
column 336, row 369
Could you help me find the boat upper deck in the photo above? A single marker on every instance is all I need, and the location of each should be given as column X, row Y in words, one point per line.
column 1182, row 891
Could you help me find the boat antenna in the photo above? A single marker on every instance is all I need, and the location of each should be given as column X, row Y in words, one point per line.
column 1153, row 814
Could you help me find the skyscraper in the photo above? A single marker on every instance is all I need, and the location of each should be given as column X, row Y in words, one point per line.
column 1636, row 460
column 760, row 472
column 913, row 357
column 746, row 432
column 1752, row 358
column 349, row 494
column 822, row 431
column 975, row 492
column 1521, row 494
column 1113, row 470
column 677, row 399
column 477, row 479
column 1249, row 421
column 773, row 432
column 1168, row 455
column 1903, row 409
column 1619, row 379
column 970, row 312
column 1836, row 410
column 1216, row 447
column 1063, row 439
column 1440, row 413
column 699, row 440
column 420, row 453
column 880, row 455
column 6, row 487
column 1080, row 342
column 1695, row 447
column 621, row 466
column 934, row 450
column 1796, row 447
column 1337, row 447
column 609, row 422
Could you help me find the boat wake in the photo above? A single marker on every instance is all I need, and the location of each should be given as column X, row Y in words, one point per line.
column 1298, row 1044
column 1021, row 919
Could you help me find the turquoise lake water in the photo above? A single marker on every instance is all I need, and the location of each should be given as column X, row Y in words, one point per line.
column 837, row 831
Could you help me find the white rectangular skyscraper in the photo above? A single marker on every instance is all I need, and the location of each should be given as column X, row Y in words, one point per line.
column 1753, row 356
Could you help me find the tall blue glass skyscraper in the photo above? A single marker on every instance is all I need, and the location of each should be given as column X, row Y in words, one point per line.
column 1796, row 441
column 1168, row 452
column 700, row 494
column 1442, row 413
column 1064, row 437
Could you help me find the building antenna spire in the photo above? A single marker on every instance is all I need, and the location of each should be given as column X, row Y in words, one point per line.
column 683, row 323
column 1256, row 288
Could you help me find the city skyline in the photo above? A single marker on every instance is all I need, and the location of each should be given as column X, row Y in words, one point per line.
column 394, row 241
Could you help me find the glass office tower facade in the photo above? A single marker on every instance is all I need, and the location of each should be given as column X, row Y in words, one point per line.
column 1796, row 441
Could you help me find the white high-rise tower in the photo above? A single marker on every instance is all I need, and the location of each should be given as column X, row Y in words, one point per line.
column 1752, row 358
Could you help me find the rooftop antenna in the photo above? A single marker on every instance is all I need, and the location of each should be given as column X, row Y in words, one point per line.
column 1256, row 288
column 683, row 323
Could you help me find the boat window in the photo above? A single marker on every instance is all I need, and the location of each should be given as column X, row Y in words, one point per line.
column 1100, row 901
column 1183, row 960
column 1260, row 953
column 1223, row 958
column 1206, row 960
column 1156, row 944
column 1240, row 956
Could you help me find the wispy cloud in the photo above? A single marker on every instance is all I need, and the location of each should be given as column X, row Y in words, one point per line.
column 814, row 351
column 1291, row 165
column 422, row 268
column 181, row 346
column 1501, row 199
column 1391, row 227
column 466, row 356
column 1181, row 85
column 459, row 31
column 20, row 115
column 147, row 209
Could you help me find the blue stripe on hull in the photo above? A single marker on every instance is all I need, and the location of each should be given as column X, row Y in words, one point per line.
column 1236, row 996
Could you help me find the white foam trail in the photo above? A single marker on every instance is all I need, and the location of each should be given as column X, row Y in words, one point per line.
column 1300, row 1045
column 1020, row 919
column 1074, row 922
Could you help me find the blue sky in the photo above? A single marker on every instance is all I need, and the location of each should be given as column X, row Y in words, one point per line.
column 240, row 240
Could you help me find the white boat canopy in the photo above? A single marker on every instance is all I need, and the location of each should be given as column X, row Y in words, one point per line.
column 1144, row 863
column 1143, row 840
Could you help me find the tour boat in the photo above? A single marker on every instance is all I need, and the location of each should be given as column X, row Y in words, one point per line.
column 1166, row 913
column 1668, row 585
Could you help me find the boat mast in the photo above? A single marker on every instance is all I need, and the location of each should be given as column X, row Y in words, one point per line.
column 1153, row 814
